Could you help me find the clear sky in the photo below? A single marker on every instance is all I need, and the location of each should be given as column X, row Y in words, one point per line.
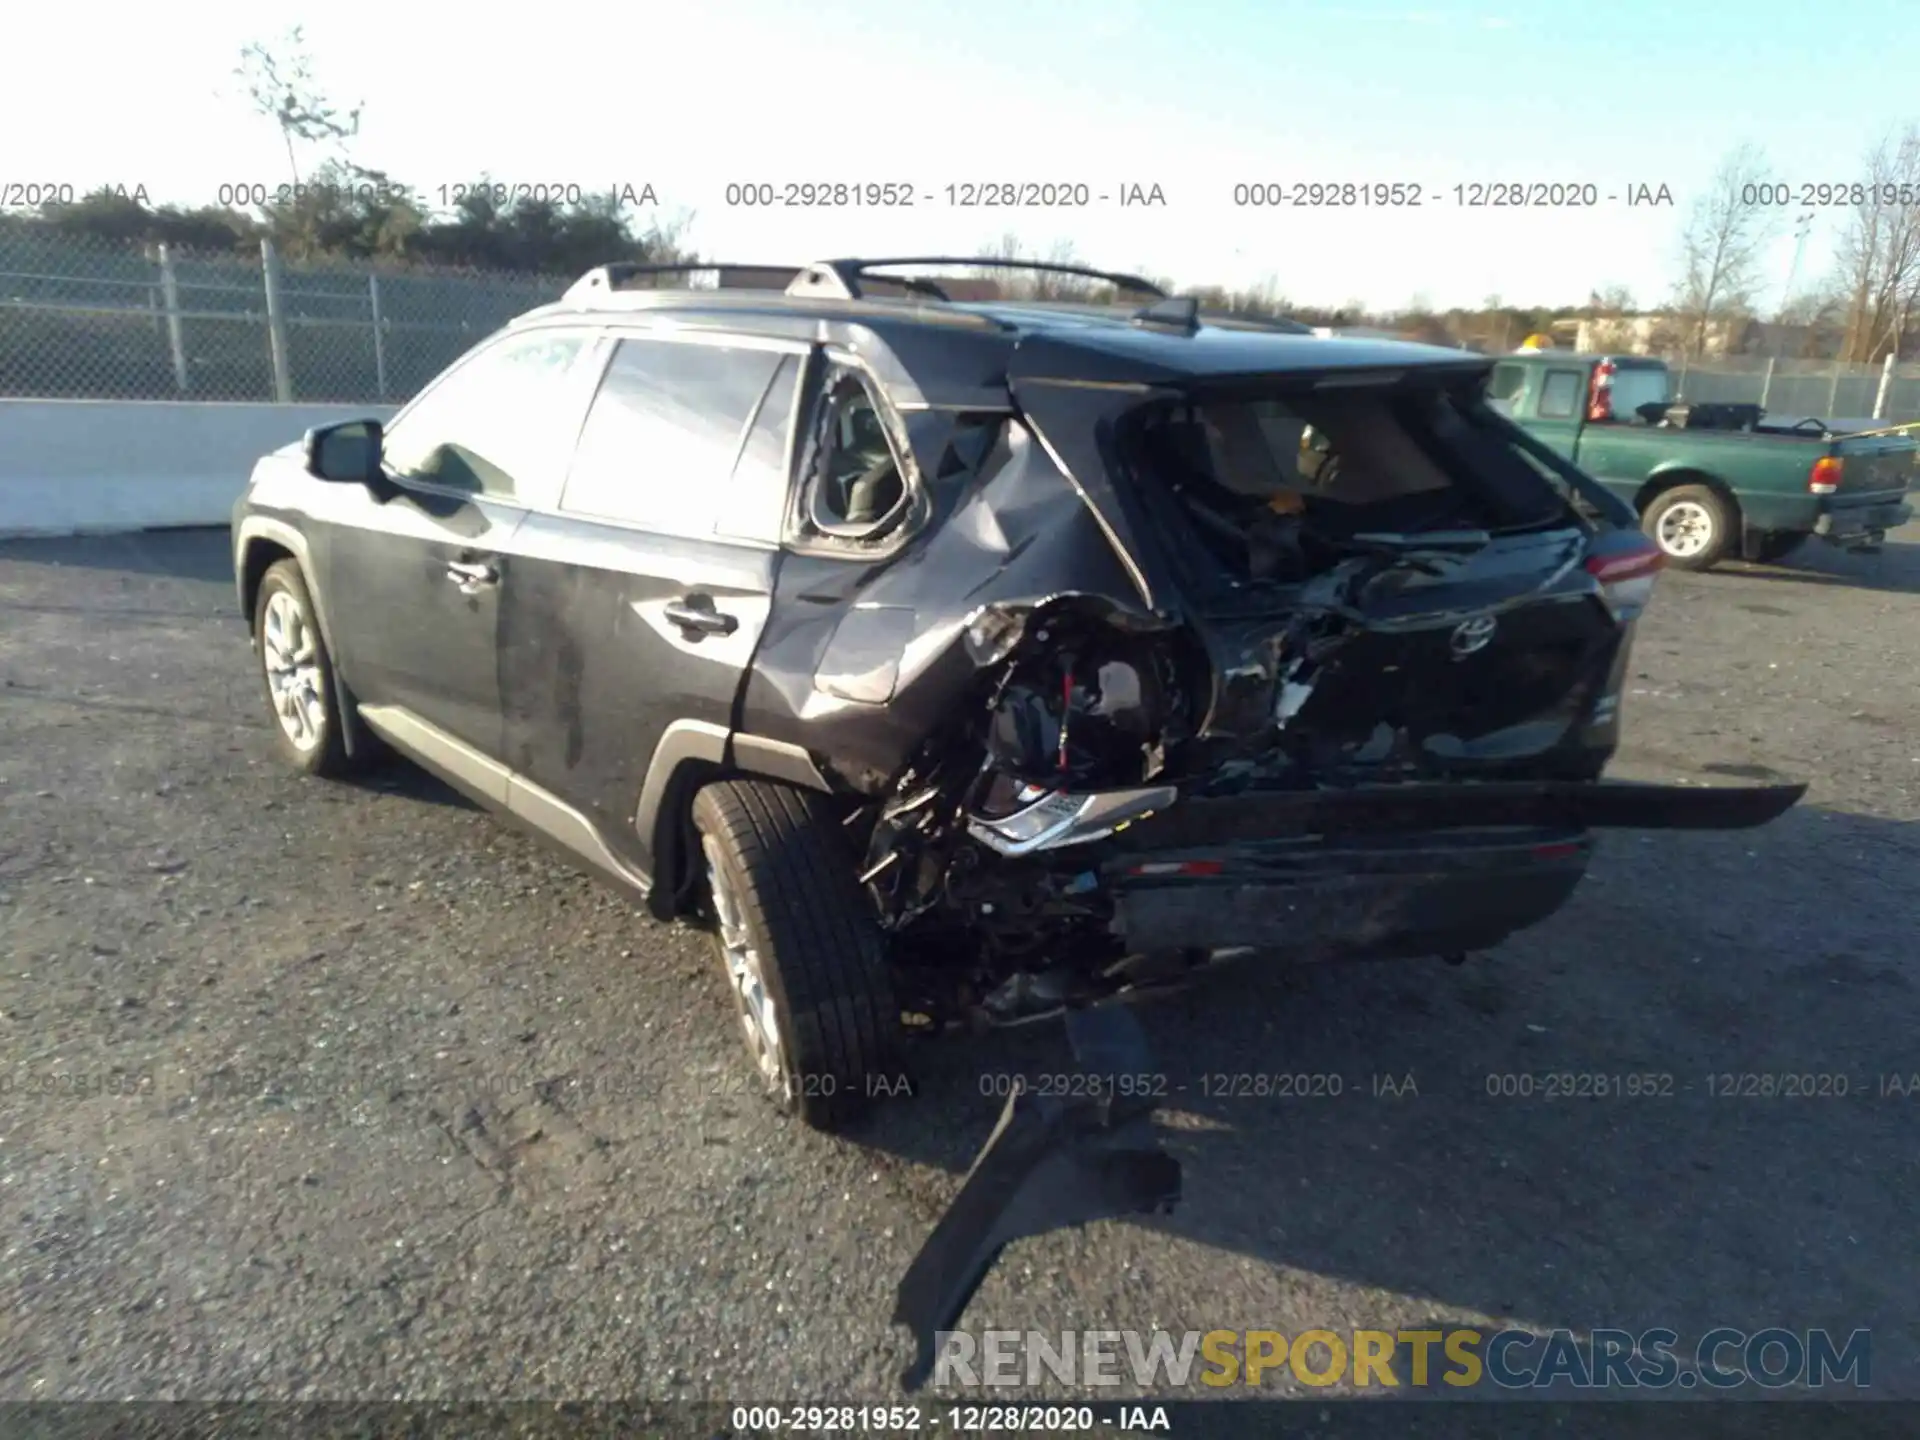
column 1191, row 96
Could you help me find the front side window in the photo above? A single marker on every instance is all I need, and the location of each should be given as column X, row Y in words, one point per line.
column 499, row 424
column 664, row 432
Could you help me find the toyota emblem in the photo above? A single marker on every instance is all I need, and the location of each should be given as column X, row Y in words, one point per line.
column 1473, row 635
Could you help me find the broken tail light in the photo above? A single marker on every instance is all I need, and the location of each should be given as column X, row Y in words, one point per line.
column 1084, row 715
column 1052, row 819
column 1625, row 563
column 1824, row 477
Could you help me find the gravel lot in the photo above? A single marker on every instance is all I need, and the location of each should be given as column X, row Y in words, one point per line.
column 324, row 1091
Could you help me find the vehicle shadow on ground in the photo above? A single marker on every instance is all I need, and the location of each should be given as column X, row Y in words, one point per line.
column 201, row 553
column 1895, row 568
column 389, row 774
column 1425, row 1147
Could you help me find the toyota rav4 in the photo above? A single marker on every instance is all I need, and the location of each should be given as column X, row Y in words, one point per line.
column 970, row 661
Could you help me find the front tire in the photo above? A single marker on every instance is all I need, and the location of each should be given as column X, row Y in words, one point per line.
column 801, row 949
column 1692, row 524
column 297, row 673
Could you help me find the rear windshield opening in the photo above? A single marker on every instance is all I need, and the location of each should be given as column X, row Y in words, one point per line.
column 1274, row 488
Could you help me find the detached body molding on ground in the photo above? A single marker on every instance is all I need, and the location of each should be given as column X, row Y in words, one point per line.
column 75, row 467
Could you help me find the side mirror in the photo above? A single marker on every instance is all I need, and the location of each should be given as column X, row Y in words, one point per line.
column 348, row 453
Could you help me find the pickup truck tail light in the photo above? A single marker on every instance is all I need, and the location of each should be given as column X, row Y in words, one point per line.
column 1625, row 563
column 1824, row 477
column 1600, row 392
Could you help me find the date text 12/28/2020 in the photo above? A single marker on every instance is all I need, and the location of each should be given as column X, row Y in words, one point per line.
column 960, row 195
column 501, row 194
column 1323, row 194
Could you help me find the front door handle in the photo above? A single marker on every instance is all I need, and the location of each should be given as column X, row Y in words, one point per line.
column 471, row 575
column 696, row 616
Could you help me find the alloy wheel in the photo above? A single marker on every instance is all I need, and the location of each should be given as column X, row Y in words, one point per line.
column 290, row 654
column 746, row 977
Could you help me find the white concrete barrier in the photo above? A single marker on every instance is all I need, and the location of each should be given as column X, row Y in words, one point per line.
column 75, row 467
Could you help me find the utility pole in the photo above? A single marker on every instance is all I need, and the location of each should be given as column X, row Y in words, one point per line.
column 1802, row 228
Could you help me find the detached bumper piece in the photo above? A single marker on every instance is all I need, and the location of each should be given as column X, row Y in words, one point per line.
column 1572, row 804
column 1358, row 897
column 1051, row 1163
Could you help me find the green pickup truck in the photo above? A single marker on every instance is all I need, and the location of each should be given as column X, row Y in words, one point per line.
column 1709, row 481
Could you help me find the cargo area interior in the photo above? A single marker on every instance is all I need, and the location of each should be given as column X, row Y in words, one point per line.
column 1278, row 488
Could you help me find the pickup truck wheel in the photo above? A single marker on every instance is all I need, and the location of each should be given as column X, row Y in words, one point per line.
column 802, row 951
column 1691, row 524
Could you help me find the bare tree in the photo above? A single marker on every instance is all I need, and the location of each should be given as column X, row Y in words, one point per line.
column 280, row 84
column 1879, row 253
column 1721, row 246
column 1613, row 301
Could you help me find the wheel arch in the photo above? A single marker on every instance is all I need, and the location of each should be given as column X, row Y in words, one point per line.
column 689, row 755
column 1662, row 481
column 257, row 556
column 262, row 542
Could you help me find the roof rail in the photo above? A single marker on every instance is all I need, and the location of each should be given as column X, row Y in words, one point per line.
column 604, row 279
column 849, row 279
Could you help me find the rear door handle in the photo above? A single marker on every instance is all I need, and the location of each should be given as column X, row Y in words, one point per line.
column 471, row 575
column 696, row 615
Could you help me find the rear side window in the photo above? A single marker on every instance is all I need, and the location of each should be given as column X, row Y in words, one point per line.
column 757, row 500
column 1504, row 386
column 1560, row 395
column 665, row 429
column 856, row 489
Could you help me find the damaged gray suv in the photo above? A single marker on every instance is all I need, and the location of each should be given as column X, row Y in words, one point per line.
column 973, row 660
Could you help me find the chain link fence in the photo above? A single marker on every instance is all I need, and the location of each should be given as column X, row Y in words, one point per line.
column 82, row 317
column 1791, row 389
column 86, row 318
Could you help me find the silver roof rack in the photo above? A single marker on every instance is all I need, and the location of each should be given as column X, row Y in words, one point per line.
column 631, row 275
column 854, row 280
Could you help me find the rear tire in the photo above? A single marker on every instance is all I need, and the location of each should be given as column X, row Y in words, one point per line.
column 803, row 953
column 1692, row 524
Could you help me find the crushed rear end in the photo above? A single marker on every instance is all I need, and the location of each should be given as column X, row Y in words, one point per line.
column 1356, row 704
